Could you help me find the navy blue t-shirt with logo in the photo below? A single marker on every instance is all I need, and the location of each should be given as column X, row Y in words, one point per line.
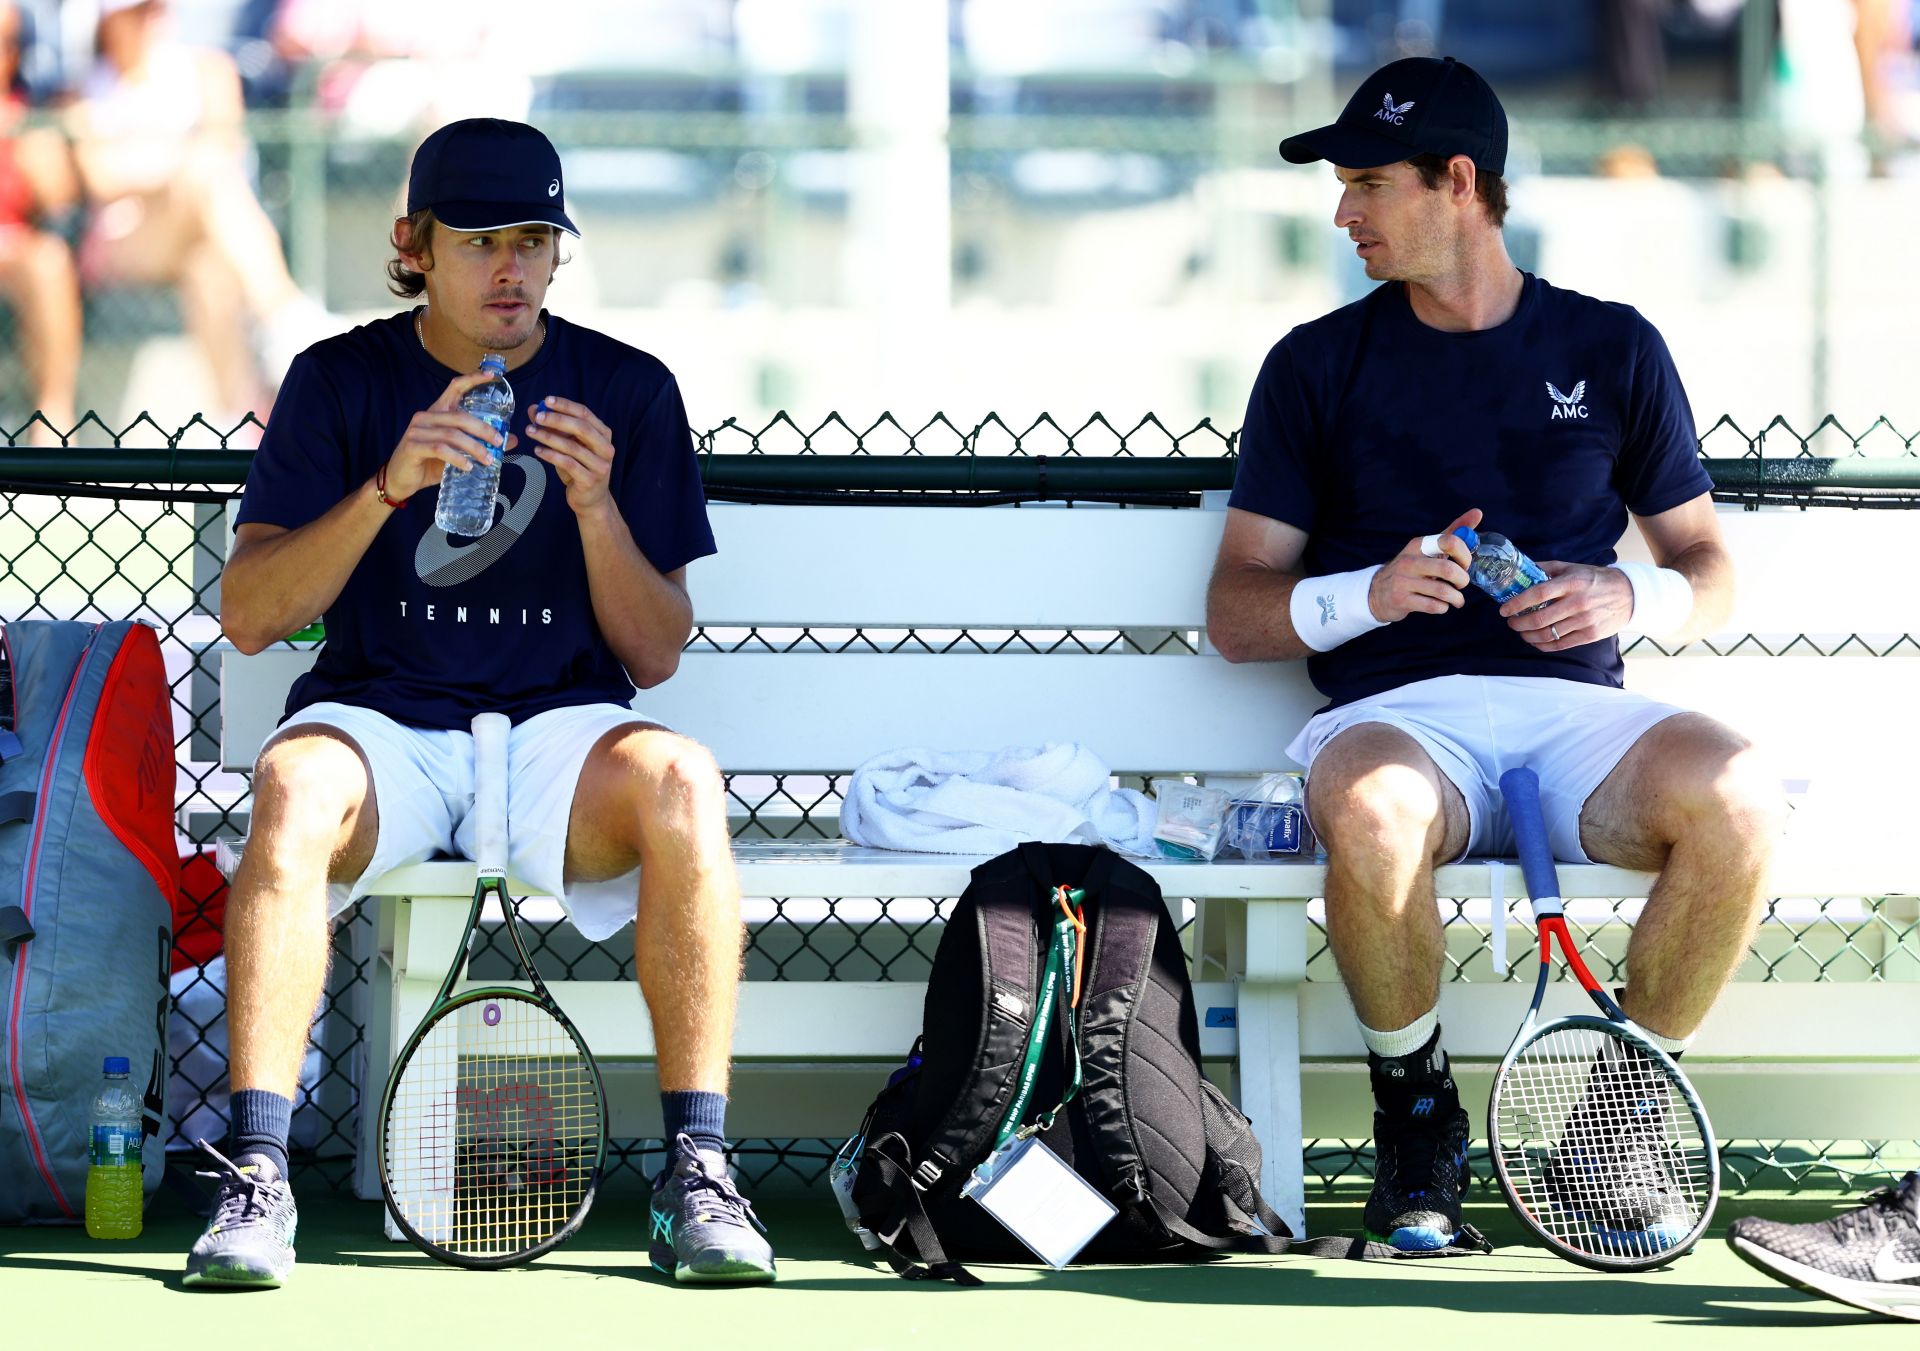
column 1368, row 428
column 430, row 628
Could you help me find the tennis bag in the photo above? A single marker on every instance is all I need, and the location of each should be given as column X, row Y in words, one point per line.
column 89, row 872
column 1146, row 1129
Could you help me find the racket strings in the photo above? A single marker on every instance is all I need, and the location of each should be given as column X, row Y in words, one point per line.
column 1601, row 1153
column 494, row 1132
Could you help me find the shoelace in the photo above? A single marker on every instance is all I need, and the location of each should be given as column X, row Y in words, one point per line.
column 1409, row 1151
column 713, row 1197
column 239, row 1192
column 1876, row 1218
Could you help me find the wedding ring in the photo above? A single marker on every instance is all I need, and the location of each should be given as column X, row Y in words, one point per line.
column 1554, row 629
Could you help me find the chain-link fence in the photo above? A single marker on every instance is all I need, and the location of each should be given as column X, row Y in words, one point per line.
column 74, row 545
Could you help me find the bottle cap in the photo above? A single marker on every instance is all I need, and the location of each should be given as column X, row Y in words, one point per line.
column 117, row 1064
column 1468, row 536
column 494, row 362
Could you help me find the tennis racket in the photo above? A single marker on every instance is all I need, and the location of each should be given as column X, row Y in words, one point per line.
column 1600, row 1144
column 494, row 1126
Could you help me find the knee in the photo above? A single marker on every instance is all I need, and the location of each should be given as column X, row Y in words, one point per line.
column 1737, row 794
column 309, row 786
column 681, row 783
column 1388, row 811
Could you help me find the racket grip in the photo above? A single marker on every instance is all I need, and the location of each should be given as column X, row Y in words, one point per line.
column 490, row 793
column 1521, row 789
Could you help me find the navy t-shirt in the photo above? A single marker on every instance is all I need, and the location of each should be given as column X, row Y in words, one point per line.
column 431, row 629
column 1368, row 428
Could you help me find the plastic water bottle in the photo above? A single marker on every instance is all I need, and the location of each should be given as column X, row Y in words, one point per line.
column 467, row 495
column 114, row 1186
column 1499, row 569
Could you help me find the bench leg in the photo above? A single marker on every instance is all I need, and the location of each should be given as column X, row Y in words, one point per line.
column 1269, row 1061
column 416, row 940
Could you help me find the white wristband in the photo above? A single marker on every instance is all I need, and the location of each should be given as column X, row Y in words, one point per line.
column 1662, row 598
column 1329, row 610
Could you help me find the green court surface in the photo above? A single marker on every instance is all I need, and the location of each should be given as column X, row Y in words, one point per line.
column 353, row 1288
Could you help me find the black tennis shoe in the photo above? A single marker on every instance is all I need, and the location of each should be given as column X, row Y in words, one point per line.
column 1420, row 1136
column 248, row 1244
column 703, row 1229
column 1611, row 1167
column 1869, row 1257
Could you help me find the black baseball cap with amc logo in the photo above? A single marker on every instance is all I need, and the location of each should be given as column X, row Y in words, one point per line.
column 1423, row 105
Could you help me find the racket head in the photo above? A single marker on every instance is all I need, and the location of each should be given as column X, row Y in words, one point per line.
column 493, row 1131
column 1567, row 1093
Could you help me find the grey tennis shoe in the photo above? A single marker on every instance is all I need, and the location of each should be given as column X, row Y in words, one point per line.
column 1868, row 1257
column 248, row 1244
column 703, row 1229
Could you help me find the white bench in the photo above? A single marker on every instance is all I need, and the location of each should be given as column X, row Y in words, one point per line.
column 1779, row 1060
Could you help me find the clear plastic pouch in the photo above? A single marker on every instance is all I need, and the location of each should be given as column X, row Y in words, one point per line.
column 1270, row 821
column 1190, row 820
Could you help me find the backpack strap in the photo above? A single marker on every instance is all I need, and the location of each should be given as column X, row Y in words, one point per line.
column 1469, row 1242
column 934, row 1265
column 15, row 929
column 17, row 806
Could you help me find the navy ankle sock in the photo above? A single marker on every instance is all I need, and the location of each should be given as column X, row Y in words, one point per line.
column 262, row 1121
column 700, row 1115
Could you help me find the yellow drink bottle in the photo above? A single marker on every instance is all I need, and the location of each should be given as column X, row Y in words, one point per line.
column 114, row 1186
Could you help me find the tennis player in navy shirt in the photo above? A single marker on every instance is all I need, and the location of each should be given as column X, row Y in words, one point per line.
column 1463, row 391
column 574, row 597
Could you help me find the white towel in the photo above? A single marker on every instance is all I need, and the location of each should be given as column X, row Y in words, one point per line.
column 986, row 802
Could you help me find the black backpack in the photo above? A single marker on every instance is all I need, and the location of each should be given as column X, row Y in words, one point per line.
column 1146, row 1129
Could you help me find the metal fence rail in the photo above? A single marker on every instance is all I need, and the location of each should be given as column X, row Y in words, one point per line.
column 131, row 524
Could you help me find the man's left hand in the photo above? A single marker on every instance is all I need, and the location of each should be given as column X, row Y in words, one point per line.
column 1577, row 604
column 578, row 445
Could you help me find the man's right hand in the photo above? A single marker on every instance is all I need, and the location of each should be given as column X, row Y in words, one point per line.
column 438, row 436
column 1418, row 582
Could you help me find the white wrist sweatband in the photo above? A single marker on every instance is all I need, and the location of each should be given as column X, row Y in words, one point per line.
column 1329, row 610
column 1662, row 598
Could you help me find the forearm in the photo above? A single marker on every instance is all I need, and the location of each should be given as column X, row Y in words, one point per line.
column 1249, row 616
column 1709, row 572
column 270, row 587
column 643, row 615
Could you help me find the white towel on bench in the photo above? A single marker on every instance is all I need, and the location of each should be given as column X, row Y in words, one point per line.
column 986, row 802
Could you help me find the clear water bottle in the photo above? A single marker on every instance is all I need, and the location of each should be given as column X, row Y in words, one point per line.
column 114, row 1186
column 1499, row 569
column 467, row 495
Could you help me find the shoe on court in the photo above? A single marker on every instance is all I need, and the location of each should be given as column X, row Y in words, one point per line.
column 703, row 1229
column 248, row 1243
column 1611, row 1166
column 1420, row 1136
column 1868, row 1257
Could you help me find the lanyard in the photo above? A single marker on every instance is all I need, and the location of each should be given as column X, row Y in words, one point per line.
column 1063, row 952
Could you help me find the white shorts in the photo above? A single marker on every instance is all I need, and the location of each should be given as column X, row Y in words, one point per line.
column 423, row 789
column 1477, row 727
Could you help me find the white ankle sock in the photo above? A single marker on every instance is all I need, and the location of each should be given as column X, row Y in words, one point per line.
column 1404, row 1041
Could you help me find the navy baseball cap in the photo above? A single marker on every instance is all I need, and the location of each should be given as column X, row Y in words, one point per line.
column 486, row 174
column 1423, row 105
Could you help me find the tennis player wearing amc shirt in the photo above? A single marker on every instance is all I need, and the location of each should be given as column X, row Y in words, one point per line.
column 1463, row 391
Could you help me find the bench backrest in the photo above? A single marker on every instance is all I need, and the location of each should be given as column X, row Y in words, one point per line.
column 801, row 578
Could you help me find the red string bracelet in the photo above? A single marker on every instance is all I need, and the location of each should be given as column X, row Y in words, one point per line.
column 380, row 489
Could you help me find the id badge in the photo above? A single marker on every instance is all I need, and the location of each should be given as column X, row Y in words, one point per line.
column 1040, row 1200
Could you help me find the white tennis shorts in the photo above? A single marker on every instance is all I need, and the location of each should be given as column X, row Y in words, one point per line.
column 1477, row 727
column 423, row 789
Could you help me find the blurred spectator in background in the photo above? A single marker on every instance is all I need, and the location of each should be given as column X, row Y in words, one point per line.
column 1632, row 51
column 388, row 69
column 164, row 163
column 36, row 267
